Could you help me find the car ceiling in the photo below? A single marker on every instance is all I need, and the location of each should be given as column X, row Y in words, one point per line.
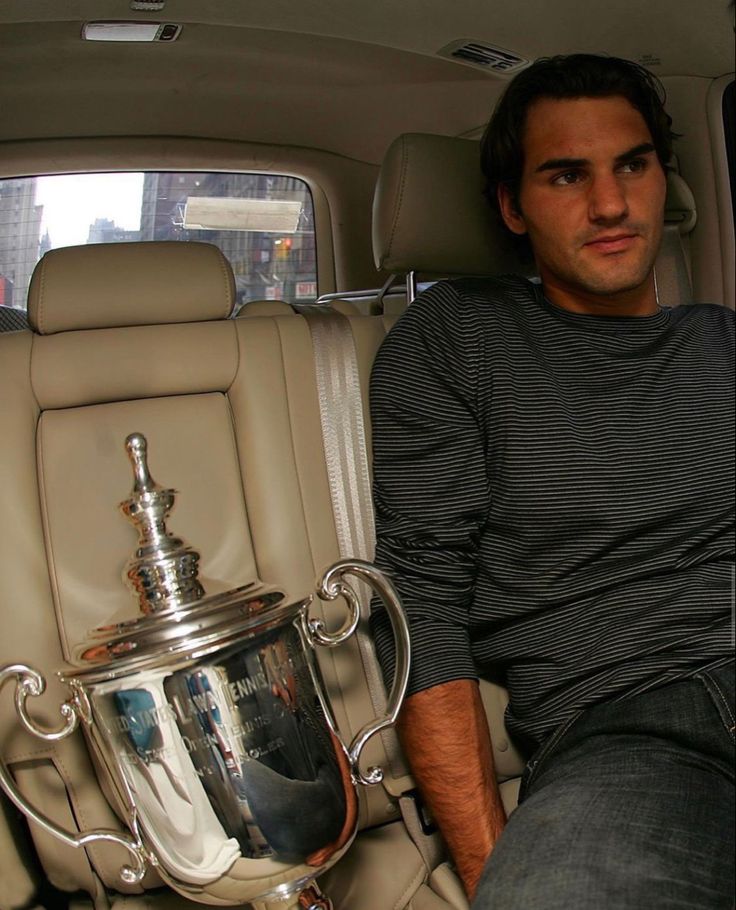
column 345, row 76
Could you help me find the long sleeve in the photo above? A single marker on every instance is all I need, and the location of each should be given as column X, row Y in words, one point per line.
column 431, row 489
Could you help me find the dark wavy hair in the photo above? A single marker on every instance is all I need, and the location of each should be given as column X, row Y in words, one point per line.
column 571, row 76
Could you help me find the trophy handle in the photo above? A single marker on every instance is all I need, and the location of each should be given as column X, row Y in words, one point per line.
column 30, row 682
column 333, row 586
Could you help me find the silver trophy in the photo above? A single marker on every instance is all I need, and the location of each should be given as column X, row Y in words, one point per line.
column 209, row 715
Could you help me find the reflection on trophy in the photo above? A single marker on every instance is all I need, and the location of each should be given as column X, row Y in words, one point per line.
column 209, row 715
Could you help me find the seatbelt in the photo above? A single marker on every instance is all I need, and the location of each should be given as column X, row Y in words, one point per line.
column 346, row 457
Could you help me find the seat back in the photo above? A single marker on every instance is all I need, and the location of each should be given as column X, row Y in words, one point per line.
column 115, row 331
column 135, row 337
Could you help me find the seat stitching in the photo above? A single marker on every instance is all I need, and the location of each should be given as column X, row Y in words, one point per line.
column 402, row 186
column 292, row 432
column 41, row 293
column 95, row 860
column 16, row 758
column 411, row 887
column 48, row 543
column 31, row 355
column 228, row 287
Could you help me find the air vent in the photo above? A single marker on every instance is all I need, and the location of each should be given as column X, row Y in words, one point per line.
column 484, row 56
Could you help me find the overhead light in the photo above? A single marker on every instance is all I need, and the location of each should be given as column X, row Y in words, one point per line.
column 130, row 31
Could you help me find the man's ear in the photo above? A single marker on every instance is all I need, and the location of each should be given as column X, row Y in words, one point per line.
column 513, row 219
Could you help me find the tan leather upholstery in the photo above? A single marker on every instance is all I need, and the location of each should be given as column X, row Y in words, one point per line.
column 231, row 412
column 679, row 206
column 265, row 308
column 430, row 215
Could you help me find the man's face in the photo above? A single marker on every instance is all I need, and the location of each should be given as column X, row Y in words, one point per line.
column 592, row 202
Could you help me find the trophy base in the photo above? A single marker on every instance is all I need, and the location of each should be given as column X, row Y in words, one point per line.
column 249, row 882
column 310, row 898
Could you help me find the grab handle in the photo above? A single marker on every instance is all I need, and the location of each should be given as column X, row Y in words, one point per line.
column 29, row 682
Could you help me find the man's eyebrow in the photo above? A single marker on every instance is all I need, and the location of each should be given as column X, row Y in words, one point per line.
column 554, row 164
column 642, row 149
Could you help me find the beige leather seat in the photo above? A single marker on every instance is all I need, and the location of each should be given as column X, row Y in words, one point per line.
column 130, row 337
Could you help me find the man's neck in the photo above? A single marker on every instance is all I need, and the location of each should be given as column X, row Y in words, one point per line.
column 639, row 301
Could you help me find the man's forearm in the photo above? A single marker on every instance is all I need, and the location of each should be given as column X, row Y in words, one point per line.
column 445, row 735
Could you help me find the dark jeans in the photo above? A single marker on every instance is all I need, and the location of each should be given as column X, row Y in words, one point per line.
column 629, row 805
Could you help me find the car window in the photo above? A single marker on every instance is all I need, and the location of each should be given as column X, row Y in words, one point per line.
column 263, row 223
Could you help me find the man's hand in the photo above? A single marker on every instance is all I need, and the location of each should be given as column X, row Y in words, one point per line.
column 445, row 734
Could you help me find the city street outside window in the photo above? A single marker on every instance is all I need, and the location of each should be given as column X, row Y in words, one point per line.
column 263, row 223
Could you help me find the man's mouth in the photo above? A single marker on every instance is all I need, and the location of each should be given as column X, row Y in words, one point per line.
column 612, row 243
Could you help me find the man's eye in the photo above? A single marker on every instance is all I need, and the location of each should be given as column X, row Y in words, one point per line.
column 567, row 179
column 635, row 166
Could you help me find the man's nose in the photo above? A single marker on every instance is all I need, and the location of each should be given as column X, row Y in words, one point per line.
column 607, row 199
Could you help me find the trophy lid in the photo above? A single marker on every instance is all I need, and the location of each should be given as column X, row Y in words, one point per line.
column 177, row 619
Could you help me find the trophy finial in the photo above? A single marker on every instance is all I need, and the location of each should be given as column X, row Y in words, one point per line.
column 137, row 448
column 163, row 570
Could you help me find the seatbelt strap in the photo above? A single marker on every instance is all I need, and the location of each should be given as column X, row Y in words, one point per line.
column 670, row 270
column 346, row 457
column 343, row 430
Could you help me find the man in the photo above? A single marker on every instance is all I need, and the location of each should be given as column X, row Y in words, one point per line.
column 554, row 494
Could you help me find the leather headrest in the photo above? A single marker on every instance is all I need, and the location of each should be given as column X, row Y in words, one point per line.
column 679, row 206
column 430, row 214
column 108, row 285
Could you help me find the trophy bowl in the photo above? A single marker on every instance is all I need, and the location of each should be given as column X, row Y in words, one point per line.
column 209, row 716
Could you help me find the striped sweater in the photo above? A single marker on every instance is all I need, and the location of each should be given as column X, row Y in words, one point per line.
column 554, row 495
